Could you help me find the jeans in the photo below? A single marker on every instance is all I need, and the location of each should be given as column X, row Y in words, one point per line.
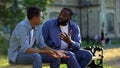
column 71, row 62
column 78, row 59
column 84, row 57
column 32, row 58
column 37, row 60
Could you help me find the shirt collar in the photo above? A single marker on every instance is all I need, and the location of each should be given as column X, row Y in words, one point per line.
column 27, row 23
column 29, row 26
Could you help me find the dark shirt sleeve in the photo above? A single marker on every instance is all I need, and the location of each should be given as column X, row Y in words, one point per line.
column 45, row 33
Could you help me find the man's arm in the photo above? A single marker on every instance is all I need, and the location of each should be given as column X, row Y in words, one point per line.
column 32, row 50
column 49, row 51
column 57, row 53
column 45, row 51
column 73, row 38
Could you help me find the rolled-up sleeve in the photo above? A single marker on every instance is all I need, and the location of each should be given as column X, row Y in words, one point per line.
column 23, row 37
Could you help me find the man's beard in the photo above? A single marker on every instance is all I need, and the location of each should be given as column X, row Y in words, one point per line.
column 63, row 23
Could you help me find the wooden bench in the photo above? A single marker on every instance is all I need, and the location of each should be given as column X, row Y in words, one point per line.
column 96, row 58
column 18, row 66
column 24, row 66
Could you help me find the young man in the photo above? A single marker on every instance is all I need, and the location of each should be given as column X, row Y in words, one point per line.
column 63, row 34
column 26, row 37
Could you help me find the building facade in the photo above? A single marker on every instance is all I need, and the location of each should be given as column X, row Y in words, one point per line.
column 54, row 9
column 109, row 18
column 92, row 16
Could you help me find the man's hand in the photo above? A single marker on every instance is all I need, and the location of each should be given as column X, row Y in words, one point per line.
column 62, row 53
column 49, row 52
column 55, row 53
column 52, row 53
column 59, row 54
column 66, row 38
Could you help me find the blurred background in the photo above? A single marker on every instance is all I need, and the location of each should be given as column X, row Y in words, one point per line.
column 96, row 19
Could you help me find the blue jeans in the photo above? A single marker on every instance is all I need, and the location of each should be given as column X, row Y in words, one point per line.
column 32, row 58
column 37, row 60
column 83, row 57
column 71, row 62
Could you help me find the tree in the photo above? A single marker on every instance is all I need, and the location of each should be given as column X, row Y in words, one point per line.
column 12, row 11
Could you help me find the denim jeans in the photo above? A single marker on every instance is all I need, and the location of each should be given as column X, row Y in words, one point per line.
column 84, row 57
column 37, row 60
column 32, row 58
column 71, row 62
column 78, row 59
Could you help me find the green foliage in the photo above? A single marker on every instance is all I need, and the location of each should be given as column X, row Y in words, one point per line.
column 40, row 3
column 90, row 43
column 3, row 46
column 12, row 11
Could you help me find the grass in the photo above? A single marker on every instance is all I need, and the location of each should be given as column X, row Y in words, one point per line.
column 3, row 51
column 3, row 60
column 115, row 42
column 107, row 66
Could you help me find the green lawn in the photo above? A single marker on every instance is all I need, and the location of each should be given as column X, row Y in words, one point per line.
column 3, row 60
column 115, row 42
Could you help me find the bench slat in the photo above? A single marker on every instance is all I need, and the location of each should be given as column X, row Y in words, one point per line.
column 95, row 58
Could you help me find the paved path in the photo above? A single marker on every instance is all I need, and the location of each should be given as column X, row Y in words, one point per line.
column 112, row 55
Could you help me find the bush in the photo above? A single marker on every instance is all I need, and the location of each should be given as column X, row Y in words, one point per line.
column 3, row 45
column 90, row 43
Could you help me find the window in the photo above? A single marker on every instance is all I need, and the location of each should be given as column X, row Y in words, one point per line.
column 119, row 27
column 110, row 22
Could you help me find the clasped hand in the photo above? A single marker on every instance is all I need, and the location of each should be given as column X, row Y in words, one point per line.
column 59, row 54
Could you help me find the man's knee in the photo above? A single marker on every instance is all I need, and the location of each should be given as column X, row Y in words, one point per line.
column 57, row 60
column 36, row 56
column 84, row 54
column 71, row 54
column 90, row 55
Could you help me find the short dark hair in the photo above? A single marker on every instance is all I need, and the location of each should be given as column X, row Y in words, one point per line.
column 33, row 11
column 69, row 10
